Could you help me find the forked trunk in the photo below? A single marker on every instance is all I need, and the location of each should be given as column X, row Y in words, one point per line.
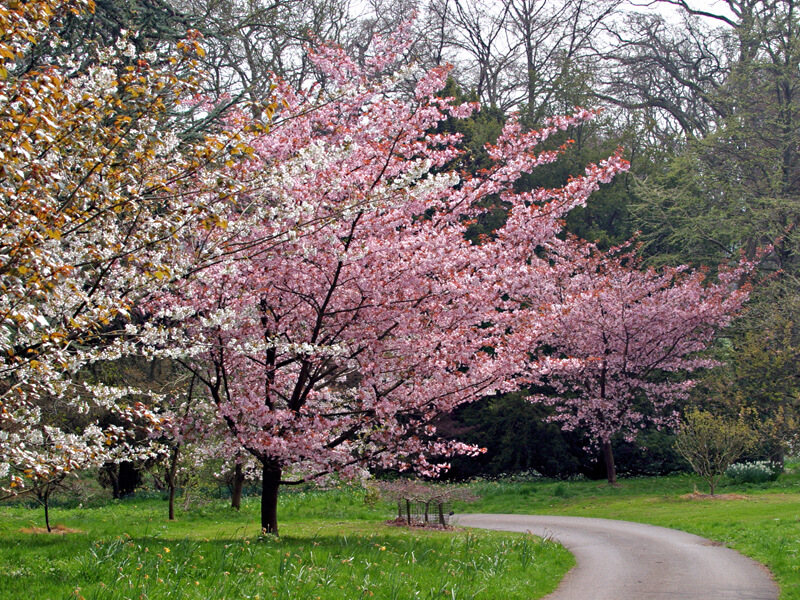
column 270, row 483
column 611, row 469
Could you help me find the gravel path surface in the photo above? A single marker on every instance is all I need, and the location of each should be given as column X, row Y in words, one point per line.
column 620, row 560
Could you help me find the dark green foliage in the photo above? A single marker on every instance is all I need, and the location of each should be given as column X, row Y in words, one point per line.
column 482, row 128
column 516, row 437
column 653, row 453
column 605, row 219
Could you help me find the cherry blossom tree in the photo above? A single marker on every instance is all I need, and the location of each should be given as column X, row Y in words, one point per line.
column 94, row 174
column 338, row 345
column 624, row 338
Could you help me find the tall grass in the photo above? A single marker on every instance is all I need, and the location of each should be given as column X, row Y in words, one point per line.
column 332, row 546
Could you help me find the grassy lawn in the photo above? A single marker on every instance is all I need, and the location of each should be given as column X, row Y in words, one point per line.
column 761, row 521
column 332, row 546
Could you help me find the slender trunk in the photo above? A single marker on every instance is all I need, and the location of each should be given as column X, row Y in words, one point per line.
column 608, row 454
column 611, row 469
column 238, row 486
column 47, row 511
column 270, row 483
column 171, row 501
column 171, row 474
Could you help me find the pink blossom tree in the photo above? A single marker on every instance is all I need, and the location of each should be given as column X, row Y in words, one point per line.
column 351, row 312
column 625, row 336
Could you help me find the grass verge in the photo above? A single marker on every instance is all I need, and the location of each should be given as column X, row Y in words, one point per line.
column 331, row 547
column 760, row 520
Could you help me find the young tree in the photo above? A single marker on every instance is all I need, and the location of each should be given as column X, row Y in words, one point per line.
column 711, row 444
column 338, row 347
column 759, row 379
column 623, row 334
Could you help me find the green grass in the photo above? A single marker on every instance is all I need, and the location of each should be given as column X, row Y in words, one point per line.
column 763, row 522
column 332, row 546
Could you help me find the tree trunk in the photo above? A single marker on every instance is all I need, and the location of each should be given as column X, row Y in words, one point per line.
column 270, row 483
column 46, row 502
column 171, row 501
column 778, row 457
column 128, row 479
column 171, row 475
column 111, row 470
column 611, row 469
column 238, row 486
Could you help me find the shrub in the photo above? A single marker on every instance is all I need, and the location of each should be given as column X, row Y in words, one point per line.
column 710, row 443
column 753, row 472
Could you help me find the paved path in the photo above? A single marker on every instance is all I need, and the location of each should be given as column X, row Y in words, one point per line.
column 619, row 560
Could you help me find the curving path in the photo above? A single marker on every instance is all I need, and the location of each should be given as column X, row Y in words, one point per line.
column 620, row 560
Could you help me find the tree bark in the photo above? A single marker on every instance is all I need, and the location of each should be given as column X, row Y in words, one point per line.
column 111, row 471
column 172, row 502
column 171, row 475
column 778, row 457
column 611, row 469
column 238, row 486
column 128, row 479
column 270, row 483
column 46, row 502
